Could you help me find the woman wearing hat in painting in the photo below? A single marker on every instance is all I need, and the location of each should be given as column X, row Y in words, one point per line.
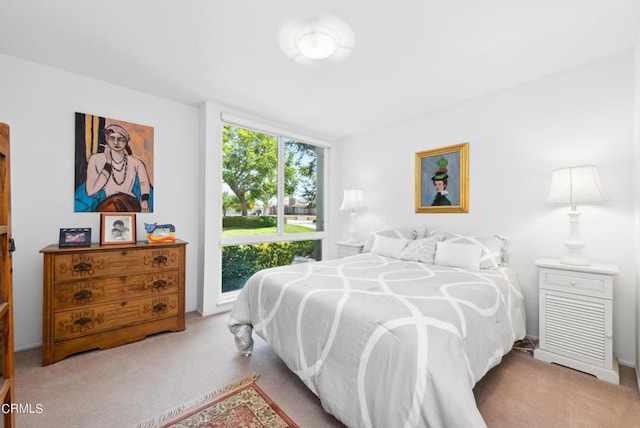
column 115, row 172
column 439, row 180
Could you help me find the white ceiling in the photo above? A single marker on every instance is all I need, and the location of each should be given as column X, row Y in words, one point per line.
column 409, row 56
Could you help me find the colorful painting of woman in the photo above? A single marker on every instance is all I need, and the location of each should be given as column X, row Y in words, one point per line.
column 115, row 180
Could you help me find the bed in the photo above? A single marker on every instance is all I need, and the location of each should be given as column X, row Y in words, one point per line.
column 396, row 336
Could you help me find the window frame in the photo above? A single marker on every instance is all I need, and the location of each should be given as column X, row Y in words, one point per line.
column 211, row 299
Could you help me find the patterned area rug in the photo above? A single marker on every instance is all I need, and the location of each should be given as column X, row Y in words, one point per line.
column 242, row 404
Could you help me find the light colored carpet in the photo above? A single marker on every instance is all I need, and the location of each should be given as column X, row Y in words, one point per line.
column 119, row 387
column 525, row 392
column 122, row 386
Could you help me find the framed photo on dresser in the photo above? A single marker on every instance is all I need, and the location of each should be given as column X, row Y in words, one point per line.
column 75, row 237
column 117, row 229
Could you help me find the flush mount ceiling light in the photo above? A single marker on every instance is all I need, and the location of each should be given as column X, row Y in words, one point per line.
column 317, row 43
column 328, row 38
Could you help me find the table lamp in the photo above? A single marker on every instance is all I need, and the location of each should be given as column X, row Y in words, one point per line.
column 571, row 186
column 352, row 201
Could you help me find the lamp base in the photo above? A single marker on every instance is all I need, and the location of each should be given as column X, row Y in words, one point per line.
column 575, row 256
column 353, row 233
column 574, row 244
column 353, row 237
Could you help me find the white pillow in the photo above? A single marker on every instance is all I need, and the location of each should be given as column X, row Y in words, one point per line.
column 408, row 233
column 421, row 250
column 458, row 255
column 389, row 247
column 495, row 248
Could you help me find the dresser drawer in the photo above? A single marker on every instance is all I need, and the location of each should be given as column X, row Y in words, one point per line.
column 81, row 322
column 92, row 291
column 74, row 266
column 576, row 282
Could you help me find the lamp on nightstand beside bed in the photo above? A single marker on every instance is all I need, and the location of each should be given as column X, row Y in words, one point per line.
column 572, row 186
column 352, row 201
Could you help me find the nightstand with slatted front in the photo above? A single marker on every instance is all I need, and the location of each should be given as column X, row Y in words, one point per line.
column 576, row 325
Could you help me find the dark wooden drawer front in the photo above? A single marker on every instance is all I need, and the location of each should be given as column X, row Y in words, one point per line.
column 74, row 266
column 82, row 322
column 94, row 291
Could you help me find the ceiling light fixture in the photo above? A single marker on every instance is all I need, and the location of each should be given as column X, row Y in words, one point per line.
column 317, row 44
column 327, row 38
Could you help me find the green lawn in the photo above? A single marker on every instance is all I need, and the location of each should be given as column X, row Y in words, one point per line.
column 288, row 228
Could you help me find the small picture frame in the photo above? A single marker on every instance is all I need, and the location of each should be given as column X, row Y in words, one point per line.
column 75, row 237
column 117, row 229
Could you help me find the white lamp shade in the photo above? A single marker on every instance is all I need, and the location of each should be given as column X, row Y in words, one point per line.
column 576, row 184
column 353, row 200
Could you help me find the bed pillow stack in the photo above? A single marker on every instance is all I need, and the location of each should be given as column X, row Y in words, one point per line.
column 440, row 247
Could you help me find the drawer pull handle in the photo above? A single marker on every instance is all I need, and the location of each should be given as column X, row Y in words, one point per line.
column 573, row 283
column 160, row 259
column 161, row 283
column 159, row 307
column 83, row 295
column 82, row 267
column 82, row 321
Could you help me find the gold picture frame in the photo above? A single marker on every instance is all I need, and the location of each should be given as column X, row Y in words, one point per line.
column 442, row 180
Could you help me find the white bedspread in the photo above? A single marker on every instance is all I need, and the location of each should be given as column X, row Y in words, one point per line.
column 383, row 342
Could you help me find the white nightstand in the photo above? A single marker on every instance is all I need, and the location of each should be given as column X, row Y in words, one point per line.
column 576, row 328
column 349, row 248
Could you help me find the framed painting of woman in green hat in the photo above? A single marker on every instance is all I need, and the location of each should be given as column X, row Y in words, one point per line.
column 442, row 180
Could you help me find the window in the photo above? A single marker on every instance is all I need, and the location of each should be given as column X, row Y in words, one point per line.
column 239, row 262
column 272, row 203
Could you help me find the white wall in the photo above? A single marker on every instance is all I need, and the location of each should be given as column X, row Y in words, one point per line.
column 636, row 117
column 39, row 104
column 517, row 137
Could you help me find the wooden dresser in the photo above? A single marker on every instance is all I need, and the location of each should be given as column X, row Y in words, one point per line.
column 106, row 296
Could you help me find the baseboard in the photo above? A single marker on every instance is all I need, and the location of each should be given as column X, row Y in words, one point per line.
column 26, row 347
column 626, row 363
